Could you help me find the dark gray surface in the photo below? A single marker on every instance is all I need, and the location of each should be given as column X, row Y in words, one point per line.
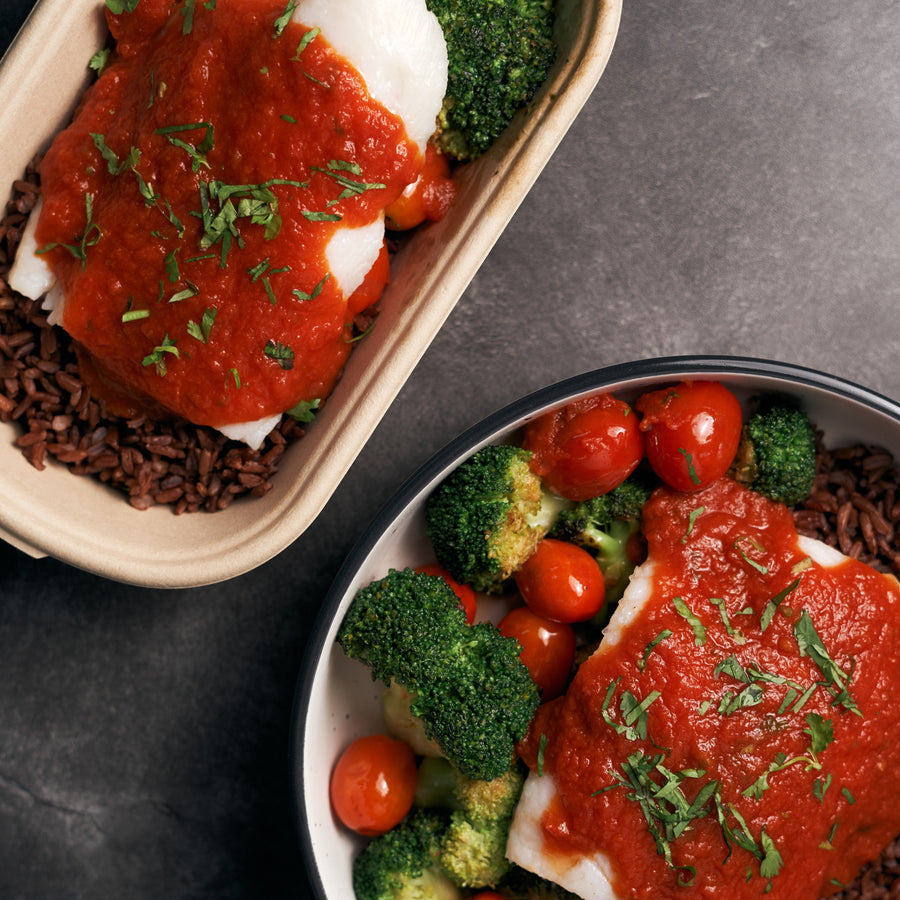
column 731, row 187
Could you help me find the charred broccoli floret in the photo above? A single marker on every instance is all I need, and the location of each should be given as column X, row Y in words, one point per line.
column 403, row 864
column 470, row 689
column 777, row 453
column 473, row 848
column 608, row 527
column 485, row 519
column 498, row 54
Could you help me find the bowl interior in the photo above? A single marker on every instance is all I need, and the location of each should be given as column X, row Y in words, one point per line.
column 337, row 700
column 83, row 523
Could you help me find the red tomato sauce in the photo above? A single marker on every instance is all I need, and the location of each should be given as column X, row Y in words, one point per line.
column 813, row 815
column 145, row 274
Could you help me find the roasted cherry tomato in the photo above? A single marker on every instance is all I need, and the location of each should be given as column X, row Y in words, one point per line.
column 426, row 199
column 562, row 582
column 373, row 784
column 548, row 648
column 586, row 448
column 693, row 431
column 466, row 595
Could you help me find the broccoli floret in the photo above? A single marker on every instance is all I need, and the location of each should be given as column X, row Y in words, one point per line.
column 609, row 526
column 483, row 520
column 470, row 689
column 473, row 849
column 499, row 53
column 777, row 453
column 521, row 884
column 403, row 864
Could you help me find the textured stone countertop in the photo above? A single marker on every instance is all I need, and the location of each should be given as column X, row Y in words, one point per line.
column 731, row 187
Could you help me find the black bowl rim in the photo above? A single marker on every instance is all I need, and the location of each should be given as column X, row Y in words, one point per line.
column 593, row 380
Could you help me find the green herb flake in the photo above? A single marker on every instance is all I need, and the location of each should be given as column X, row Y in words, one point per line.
column 98, row 61
column 200, row 331
column 133, row 315
column 303, row 296
column 685, row 612
column 542, row 749
column 695, row 514
column 735, row 634
column 282, row 21
column 117, row 7
column 836, row 680
column 663, row 635
column 820, row 786
column 772, row 606
column 692, row 472
column 305, row 410
column 197, row 153
column 305, row 41
column 281, row 353
column 158, row 356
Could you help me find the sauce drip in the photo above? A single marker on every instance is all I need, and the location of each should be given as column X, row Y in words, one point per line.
column 762, row 689
column 188, row 207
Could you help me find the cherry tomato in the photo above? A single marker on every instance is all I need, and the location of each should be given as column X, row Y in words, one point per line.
column 426, row 199
column 487, row 895
column 562, row 582
column 548, row 648
column 466, row 595
column 373, row 784
column 693, row 431
column 586, row 448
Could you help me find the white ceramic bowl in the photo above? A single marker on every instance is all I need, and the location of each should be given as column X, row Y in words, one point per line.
column 83, row 523
column 336, row 699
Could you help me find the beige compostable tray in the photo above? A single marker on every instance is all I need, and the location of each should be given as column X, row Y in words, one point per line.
column 85, row 524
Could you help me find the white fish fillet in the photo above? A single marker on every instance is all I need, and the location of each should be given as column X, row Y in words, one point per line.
column 590, row 877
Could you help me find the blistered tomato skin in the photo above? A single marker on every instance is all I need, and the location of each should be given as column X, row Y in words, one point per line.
column 548, row 649
column 373, row 784
column 561, row 582
column 586, row 448
column 692, row 432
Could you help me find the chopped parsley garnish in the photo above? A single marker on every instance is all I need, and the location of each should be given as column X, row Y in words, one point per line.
column 685, row 612
column 281, row 353
column 197, row 153
column 542, row 749
column 158, row 356
column 304, row 411
column 772, row 606
column 305, row 41
column 282, row 21
column 695, row 514
column 836, row 679
column 201, row 331
column 220, row 214
column 89, row 237
column 733, row 632
column 692, row 472
column 642, row 662
column 117, row 7
column 303, row 296
column 114, row 165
